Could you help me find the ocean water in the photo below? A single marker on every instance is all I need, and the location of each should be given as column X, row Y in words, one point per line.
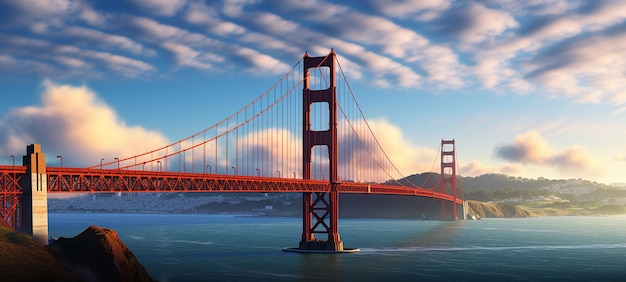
column 194, row 247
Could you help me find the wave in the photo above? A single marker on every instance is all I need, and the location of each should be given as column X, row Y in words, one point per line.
column 204, row 243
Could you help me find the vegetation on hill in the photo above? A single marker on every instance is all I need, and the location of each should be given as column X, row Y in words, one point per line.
column 24, row 259
column 542, row 196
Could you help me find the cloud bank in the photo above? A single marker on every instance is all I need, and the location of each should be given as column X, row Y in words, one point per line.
column 531, row 148
column 73, row 122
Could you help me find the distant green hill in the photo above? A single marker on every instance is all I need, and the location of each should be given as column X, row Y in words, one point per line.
column 493, row 182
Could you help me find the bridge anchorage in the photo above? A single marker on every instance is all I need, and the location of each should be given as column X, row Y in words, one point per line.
column 337, row 156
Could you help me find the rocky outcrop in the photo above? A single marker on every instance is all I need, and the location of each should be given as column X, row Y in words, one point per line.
column 493, row 210
column 98, row 254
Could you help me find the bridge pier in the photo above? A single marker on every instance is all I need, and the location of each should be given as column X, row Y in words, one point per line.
column 33, row 211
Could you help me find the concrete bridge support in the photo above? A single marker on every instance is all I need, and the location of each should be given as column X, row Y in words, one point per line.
column 34, row 203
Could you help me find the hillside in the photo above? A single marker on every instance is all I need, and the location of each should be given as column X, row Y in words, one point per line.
column 23, row 259
column 97, row 254
column 541, row 196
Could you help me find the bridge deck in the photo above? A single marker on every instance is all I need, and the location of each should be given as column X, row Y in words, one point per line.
column 113, row 180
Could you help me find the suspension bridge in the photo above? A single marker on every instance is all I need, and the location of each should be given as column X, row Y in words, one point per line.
column 306, row 134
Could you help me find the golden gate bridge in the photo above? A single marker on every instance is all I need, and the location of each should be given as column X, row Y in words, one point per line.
column 306, row 134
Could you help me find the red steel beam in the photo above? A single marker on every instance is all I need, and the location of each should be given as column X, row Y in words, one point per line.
column 113, row 180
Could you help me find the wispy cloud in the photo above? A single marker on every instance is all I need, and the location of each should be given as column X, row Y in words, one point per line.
column 564, row 49
column 474, row 23
column 161, row 7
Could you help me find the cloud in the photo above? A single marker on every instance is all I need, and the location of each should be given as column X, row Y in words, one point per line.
column 161, row 7
column 392, row 54
column 105, row 40
column 567, row 55
column 586, row 69
column 38, row 15
column 74, row 122
column 531, row 148
column 73, row 60
column 477, row 168
column 474, row 23
column 419, row 9
column 362, row 160
column 199, row 13
column 186, row 56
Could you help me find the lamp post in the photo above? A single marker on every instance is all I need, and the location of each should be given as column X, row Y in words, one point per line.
column 258, row 172
column 60, row 157
column 294, row 174
column 101, row 160
column 207, row 167
column 144, row 166
column 13, row 158
column 234, row 170
column 118, row 163
column 278, row 171
column 158, row 165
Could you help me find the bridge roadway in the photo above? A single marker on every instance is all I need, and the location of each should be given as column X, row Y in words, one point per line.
column 62, row 180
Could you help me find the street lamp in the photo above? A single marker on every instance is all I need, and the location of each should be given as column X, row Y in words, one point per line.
column 13, row 158
column 258, row 172
column 234, row 170
column 158, row 165
column 118, row 163
column 278, row 171
column 294, row 174
column 60, row 157
column 101, row 160
column 144, row 166
column 207, row 167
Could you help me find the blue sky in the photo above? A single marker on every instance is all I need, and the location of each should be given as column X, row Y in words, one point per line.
column 527, row 88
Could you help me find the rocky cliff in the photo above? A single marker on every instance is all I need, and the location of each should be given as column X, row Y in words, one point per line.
column 98, row 254
column 486, row 210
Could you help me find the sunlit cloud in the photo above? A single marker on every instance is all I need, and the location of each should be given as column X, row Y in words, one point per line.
column 74, row 122
column 361, row 157
column 477, row 168
column 531, row 148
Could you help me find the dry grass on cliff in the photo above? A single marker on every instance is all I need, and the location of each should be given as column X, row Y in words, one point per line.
column 24, row 259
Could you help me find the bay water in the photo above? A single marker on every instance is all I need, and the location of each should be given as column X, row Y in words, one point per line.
column 200, row 247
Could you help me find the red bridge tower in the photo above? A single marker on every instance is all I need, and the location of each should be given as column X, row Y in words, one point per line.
column 448, row 178
column 320, row 210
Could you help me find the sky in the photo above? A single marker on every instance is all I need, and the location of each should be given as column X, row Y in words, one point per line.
column 526, row 88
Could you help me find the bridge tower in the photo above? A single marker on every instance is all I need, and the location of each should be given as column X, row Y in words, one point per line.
column 448, row 178
column 320, row 211
column 33, row 210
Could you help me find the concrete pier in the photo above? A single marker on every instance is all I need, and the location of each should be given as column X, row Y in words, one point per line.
column 34, row 203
